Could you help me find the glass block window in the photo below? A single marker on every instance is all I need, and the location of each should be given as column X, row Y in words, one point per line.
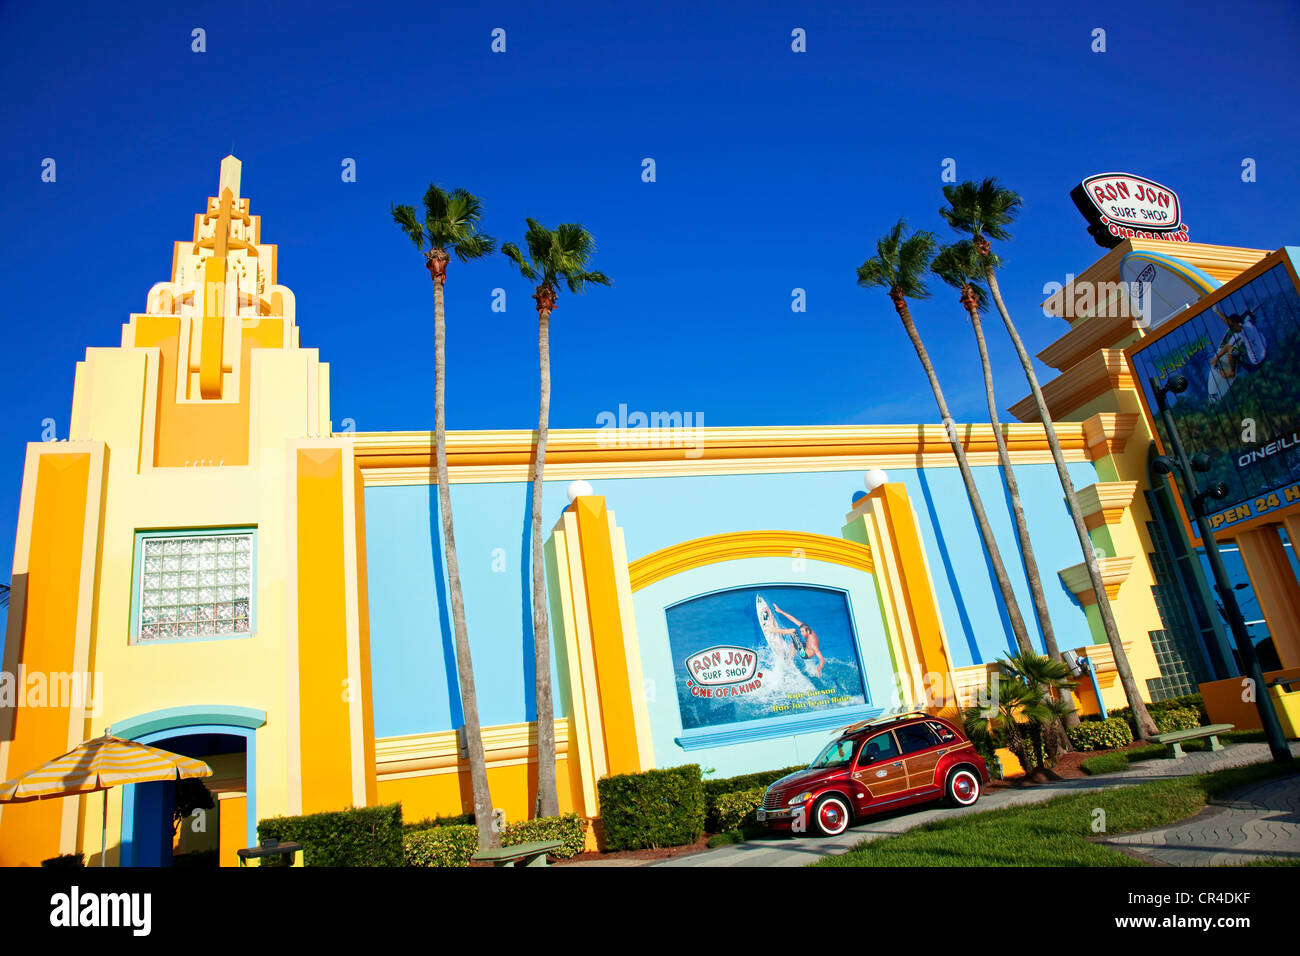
column 193, row 585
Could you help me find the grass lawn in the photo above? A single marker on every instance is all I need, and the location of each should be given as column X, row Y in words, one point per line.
column 1056, row 832
column 1114, row 760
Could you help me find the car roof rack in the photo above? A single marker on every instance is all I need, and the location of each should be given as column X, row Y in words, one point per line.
column 885, row 718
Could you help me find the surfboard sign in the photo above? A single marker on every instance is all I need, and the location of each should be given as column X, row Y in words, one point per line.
column 1160, row 286
column 767, row 623
column 1121, row 206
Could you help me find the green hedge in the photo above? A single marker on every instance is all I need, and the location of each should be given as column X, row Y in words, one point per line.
column 1177, row 718
column 360, row 836
column 1160, row 707
column 440, row 846
column 454, row 845
column 747, row 781
column 569, row 827
column 428, row 823
column 735, row 811
column 1101, row 734
column 655, row 808
column 715, row 790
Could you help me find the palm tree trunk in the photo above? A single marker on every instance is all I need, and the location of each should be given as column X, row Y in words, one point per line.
column 1145, row 724
column 488, row 838
column 1017, row 508
column 547, row 798
column 981, row 519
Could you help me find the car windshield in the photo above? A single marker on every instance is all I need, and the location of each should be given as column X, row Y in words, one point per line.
column 838, row 753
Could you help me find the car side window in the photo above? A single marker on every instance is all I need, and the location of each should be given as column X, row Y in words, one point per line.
column 881, row 747
column 914, row 737
column 944, row 734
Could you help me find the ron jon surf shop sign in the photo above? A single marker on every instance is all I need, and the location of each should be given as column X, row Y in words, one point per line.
column 1121, row 206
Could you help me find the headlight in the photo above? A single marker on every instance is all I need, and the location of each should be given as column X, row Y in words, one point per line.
column 802, row 798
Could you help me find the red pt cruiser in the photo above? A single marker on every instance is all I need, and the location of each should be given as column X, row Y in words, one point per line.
column 876, row 766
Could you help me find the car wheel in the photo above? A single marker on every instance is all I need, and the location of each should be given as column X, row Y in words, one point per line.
column 831, row 815
column 963, row 787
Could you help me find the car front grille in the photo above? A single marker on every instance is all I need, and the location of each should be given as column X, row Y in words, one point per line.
column 774, row 799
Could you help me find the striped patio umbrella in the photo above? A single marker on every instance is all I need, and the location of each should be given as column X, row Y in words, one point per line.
column 98, row 765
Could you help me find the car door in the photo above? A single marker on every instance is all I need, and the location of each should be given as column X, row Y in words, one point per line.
column 880, row 770
column 921, row 749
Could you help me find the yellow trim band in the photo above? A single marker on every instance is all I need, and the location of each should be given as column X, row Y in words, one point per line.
column 747, row 544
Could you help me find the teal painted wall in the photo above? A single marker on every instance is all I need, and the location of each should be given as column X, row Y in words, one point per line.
column 412, row 661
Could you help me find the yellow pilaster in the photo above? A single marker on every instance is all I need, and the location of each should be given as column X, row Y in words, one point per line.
column 331, row 698
column 600, row 657
column 609, row 630
column 48, row 637
column 886, row 518
column 214, row 326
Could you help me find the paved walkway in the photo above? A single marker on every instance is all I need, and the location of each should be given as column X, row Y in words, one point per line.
column 801, row 850
column 1255, row 823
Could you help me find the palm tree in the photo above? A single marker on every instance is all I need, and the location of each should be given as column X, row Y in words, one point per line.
column 1002, row 721
column 554, row 256
column 1049, row 686
column 451, row 227
column 985, row 210
column 959, row 265
column 1028, row 697
column 899, row 265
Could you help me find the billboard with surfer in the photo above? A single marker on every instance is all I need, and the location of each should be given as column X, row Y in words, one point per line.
column 1240, row 353
column 773, row 651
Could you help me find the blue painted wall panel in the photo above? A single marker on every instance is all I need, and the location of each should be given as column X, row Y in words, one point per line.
column 412, row 660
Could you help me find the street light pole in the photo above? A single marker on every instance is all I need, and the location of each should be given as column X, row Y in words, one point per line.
column 1187, row 468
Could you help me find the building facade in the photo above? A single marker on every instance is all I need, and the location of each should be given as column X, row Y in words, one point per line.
column 207, row 566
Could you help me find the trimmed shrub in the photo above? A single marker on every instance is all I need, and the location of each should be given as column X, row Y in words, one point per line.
column 652, row 809
column 569, row 827
column 747, row 781
column 1177, row 718
column 1101, row 734
column 1158, row 708
column 714, row 790
column 440, row 846
column 428, row 823
column 734, row 811
column 359, row 836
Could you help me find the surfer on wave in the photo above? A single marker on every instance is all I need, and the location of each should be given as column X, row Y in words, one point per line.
column 805, row 638
column 1241, row 347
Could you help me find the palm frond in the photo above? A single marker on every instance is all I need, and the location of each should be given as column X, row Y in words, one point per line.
column 451, row 223
column 435, row 203
column 900, row 262
column 961, row 266
column 557, row 256
column 525, row 267
column 982, row 209
column 404, row 216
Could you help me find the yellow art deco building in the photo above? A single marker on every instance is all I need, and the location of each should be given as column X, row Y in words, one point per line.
column 205, row 565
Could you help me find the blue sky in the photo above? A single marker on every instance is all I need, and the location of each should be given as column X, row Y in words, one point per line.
column 775, row 170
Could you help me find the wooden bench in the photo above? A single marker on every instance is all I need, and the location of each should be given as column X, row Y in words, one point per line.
column 1174, row 740
column 533, row 854
column 287, row 852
